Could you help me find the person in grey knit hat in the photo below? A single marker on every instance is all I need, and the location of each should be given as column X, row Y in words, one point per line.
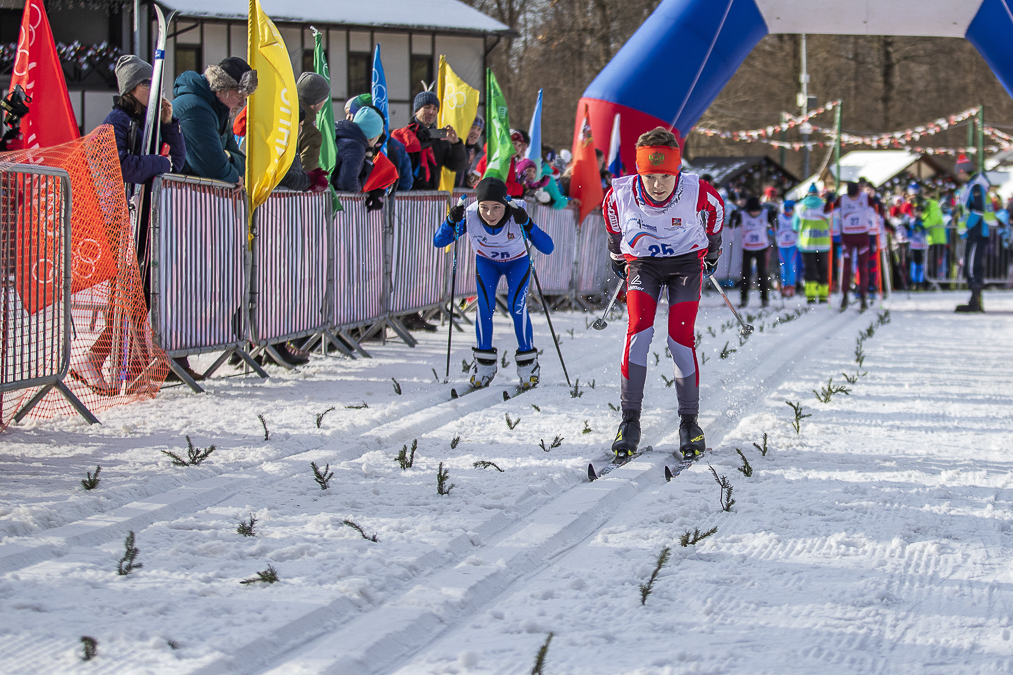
column 314, row 92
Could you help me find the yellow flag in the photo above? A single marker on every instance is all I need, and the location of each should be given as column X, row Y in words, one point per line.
column 458, row 107
column 272, row 117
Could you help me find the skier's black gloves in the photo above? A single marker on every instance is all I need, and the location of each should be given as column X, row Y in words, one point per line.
column 521, row 217
column 456, row 214
column 374, row 202
column 619, row 267
column 710, row 264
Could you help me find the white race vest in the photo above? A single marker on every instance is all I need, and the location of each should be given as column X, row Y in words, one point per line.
column 506, row 244
column 660, row 232
column 754, row 231
column 874, row 225
column 855, row 214
column 786, row 236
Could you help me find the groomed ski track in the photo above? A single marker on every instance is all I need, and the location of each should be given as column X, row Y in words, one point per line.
column 472, row 581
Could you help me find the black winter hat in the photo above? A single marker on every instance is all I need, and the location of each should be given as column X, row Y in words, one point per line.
column 753, row 204
column 492, row 190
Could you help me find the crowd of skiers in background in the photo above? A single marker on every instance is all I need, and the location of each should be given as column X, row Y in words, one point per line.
column 915, row 227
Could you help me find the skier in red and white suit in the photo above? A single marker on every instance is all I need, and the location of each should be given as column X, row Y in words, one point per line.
column 664, row 230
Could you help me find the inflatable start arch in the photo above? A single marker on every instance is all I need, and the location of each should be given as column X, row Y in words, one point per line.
column 675, row 65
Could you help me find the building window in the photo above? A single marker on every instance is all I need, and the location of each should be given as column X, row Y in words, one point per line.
column 360, row 73
column 307, row 60
column 421, row 71
column 188, row 57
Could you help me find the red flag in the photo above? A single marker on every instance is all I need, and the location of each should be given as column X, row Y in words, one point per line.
column 585, row 179
column 383, row 175
column 37, row 69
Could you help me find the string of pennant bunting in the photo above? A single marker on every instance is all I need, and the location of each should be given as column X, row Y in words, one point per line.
column 1004, row 139
column 754, row 135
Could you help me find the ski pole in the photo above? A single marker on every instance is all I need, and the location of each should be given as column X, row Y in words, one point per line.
column 602, row 324
column 746, row 328
column 453, row 281
column 541, row 298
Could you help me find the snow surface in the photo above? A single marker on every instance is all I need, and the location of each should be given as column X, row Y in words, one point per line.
column 875, row 541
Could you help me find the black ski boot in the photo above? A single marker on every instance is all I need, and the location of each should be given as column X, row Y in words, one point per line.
column 844, row 301
column 864, row 306
column 691, row 440
column 628, row 435
column 973, row 305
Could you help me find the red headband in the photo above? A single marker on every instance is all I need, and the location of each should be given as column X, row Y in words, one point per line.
column 658, row 159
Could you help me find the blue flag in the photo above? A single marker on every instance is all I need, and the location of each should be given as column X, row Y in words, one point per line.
column 534, row 152
column 615, row 160
column 379, row 92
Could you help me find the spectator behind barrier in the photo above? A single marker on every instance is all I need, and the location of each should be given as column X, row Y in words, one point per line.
column 428, row 153
column 204, row 104
column 127, row 119
column 474, row 152
column 353, row 139
column 133, row 79
column 313, row 94
column 398, row 156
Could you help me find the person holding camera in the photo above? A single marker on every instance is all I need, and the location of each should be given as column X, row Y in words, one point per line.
column 430, row 149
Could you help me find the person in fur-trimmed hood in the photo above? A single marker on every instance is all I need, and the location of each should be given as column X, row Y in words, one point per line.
column 205, row 105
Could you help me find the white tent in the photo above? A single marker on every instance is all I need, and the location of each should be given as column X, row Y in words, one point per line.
column 878, row 166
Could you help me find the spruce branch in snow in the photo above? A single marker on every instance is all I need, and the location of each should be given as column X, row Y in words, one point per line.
column 268, row 576
column 357, row 407
column 537, row 409
column 726, row 490
column 883, row 318
column 645, row 589
column 540, row 657
column 614, row 408
column 442, row 476
column 511, row 423
column 483, row 464
column 746, row 469
column 703, row 355
column 796, row 423
column 127, row 564
column 245, row 527
column 859, row 354
column 593, row 382
column 657, row 359
column 710, row 331
column 726, row 352
column 826, row 393
column 587, row 428
column 743, row 339
column 699, row 339
column 668, row 382
column 763, row 450
column 668, row 354
column 194, row 455
column 323, row 478
column 556, row 442
column 263, row 423
column 576, row 392
column 92, row 481
column 358, row 529
column 454, row 441
column 436, row 375
column 465, row 366
column 695, row 537
column 320, row 416
column 90, row 646
column 851, row 379
column 570, row 331
column 397, row 387
column 405, row 459
column 173, row 644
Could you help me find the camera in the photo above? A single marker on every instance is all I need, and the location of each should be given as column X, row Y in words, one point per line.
column 12, row 109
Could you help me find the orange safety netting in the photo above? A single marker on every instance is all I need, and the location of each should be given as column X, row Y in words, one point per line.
column 113, row 358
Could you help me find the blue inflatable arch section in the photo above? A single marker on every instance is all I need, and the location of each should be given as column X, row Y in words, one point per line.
column 677, row 63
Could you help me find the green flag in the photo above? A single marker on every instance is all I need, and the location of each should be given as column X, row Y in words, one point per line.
column 325, row 118
column 499, row 147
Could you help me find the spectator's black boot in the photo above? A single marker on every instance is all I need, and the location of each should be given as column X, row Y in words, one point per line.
column 416, row 322
column 973, row 305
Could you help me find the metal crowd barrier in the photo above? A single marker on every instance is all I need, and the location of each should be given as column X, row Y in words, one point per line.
column 199, row 271
column 291, row 276
column 945, row 263
column 35, row 278
column 592, row 274
column 418, row 269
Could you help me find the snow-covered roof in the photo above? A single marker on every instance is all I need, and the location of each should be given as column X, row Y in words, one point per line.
column 436, row 15
column 878, row 166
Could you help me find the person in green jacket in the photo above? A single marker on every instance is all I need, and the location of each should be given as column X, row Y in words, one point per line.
column 935, row 226
column 813, row 226
column 204, row 105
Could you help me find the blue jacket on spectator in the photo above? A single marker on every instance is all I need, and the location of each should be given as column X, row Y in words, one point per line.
column 398, row 154
column 350, row 157
column 211, row 149
column 128, row 127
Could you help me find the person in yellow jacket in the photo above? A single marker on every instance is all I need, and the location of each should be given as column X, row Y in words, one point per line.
column 814, row 240
column 935, row 226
